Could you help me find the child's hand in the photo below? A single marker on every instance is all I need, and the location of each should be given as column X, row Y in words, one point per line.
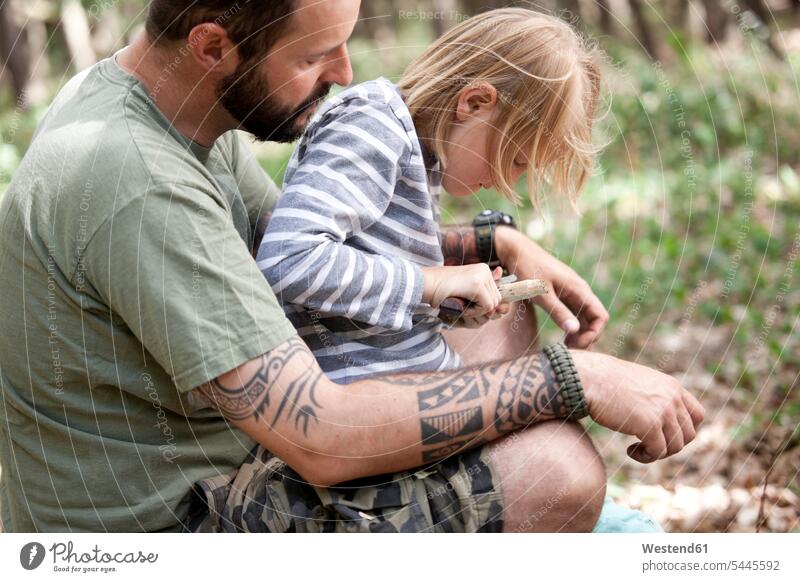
column 475, row 322
column 474, row 283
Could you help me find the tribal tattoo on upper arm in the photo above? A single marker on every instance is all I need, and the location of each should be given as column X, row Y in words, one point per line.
column 272, row 388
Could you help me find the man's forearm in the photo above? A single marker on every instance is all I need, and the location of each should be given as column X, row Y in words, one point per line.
column 336, row 433
column 459, row 246
column 459, row 410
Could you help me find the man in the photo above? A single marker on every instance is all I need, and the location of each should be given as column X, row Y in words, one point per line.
column 144, row 352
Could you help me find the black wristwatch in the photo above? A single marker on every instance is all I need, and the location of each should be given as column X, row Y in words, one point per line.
column 485, row 224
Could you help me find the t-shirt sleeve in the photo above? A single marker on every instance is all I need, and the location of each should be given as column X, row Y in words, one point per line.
column 172, row 266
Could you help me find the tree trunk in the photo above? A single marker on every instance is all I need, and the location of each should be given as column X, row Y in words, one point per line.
column 107, row 36
column 606, row 21
column 37, row 91
column 446, row 15
column 473, row 7
column 646, row 38
column 570, row 10
column 678, row 14
column 760, row 9
column 76, row 31
column 369, row 18
column 14, row 52
column 716, row 20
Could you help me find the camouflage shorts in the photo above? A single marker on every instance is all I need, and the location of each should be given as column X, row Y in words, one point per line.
column 460, row 494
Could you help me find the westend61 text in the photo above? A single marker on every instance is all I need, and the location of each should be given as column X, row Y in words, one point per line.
column 672, row 549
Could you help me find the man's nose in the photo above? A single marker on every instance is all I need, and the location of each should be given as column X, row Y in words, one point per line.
column 340, row 71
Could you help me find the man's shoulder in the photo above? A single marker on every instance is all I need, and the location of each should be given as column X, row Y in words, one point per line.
column 106, row 125
column 97, row 149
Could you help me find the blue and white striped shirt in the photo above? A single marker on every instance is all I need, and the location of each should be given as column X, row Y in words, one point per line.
column 358, row 218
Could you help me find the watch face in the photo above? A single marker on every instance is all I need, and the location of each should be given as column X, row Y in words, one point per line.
column 487, row 217
column 493, row 217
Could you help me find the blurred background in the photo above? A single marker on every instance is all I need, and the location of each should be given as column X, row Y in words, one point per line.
column 689, row 230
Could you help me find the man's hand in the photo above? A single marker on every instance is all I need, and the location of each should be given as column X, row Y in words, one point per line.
column 639, row 401
column 570, row 302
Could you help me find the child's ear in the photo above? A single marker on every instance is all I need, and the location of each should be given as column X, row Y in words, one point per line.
column 475, row 100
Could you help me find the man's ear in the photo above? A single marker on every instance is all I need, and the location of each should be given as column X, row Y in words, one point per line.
column 212, row 49
column 475, row 100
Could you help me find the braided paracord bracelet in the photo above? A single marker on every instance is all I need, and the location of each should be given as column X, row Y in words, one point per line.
column 567, row 377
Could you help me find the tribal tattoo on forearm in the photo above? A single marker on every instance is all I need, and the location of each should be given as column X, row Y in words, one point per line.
column 294, row 397
column 528, row 393
column 459, row 246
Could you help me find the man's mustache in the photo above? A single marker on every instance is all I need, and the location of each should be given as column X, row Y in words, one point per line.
column 314, row 99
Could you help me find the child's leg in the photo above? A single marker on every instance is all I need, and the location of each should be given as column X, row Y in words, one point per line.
column 512, row 336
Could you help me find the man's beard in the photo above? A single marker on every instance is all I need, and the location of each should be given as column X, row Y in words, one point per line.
column 248, row 99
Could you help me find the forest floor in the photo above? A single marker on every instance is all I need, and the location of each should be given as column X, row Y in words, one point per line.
column 739, row 475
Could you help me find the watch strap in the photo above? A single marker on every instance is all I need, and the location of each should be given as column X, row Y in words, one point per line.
column 484, row 241
column 485, row 225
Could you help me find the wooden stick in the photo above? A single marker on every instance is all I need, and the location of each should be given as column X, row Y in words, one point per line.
column 521, row 290
column 453, row 308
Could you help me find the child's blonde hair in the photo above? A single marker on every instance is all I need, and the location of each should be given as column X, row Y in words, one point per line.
column 548, row 85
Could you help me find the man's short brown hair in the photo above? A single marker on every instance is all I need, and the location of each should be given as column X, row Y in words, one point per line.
column 254, row 25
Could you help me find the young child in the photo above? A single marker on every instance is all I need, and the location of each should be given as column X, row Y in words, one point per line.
column 353, row 251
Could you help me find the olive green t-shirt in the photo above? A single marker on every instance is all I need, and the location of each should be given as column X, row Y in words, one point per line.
column 126, row 281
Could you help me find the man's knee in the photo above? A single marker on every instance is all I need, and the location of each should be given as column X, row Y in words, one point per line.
column 584, row 483
column 552, row 479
